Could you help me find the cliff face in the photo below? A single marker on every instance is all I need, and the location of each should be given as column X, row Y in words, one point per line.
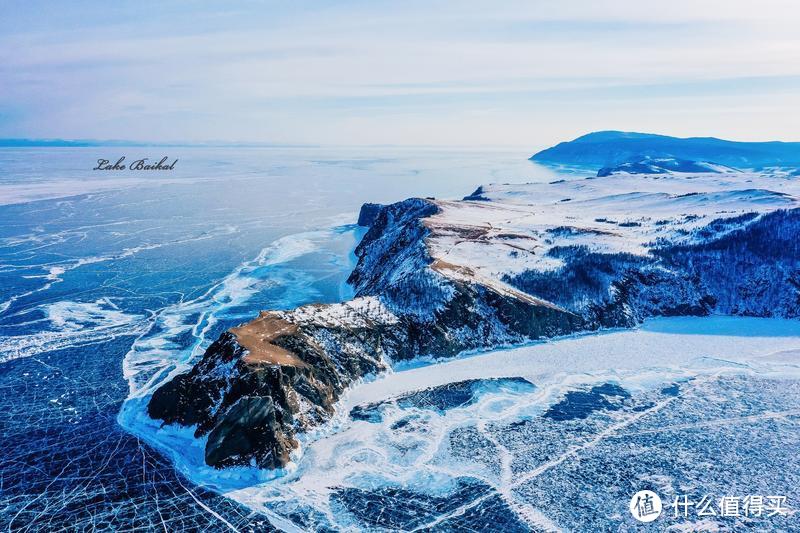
column 510, row 264
column 261, row 383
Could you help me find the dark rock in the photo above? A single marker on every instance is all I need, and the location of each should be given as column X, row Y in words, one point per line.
column 477, row 195
column 368, row 214
column 250, row 429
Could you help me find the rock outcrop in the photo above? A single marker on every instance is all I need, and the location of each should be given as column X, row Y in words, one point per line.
column 261, row 383
column 509, row 264
column 368, row 214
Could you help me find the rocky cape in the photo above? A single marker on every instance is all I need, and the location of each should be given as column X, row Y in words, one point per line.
column 506, row 265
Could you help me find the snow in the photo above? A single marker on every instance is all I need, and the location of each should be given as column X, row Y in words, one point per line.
column 356, row 313
column 514, row 230
column 424, row 456
column 663, row 346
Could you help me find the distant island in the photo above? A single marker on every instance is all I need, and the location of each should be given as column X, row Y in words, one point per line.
column 614, row 148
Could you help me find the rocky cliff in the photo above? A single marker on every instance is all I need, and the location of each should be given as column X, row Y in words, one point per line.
column 263, row 382
column 508, row 264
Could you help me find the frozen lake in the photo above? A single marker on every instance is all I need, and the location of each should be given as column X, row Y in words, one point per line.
column 109, row 284
column 108, row 281
column 697, row 406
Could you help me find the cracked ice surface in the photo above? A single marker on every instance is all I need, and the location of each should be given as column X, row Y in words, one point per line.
column 512, row 440
column 114, row 284
column 103, row 295
column 67, row 464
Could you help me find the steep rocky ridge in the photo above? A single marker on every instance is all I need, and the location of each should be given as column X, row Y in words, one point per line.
column 509, row 264
column 261, row 383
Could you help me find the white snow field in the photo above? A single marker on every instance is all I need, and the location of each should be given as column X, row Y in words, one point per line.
column 617, row 213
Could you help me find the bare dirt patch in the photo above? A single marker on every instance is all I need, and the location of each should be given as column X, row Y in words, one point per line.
column 258, row 336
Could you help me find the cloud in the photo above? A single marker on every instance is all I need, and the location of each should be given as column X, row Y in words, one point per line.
column 389, row 72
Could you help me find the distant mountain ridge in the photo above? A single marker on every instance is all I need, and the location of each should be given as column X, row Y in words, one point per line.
column 613, row 148
column 25, row 143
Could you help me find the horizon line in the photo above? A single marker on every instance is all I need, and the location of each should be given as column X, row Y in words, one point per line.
column 57, row 142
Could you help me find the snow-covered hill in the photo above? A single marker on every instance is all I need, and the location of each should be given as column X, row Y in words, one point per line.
column 664, row 165
column 507, row 264
column 611, row 148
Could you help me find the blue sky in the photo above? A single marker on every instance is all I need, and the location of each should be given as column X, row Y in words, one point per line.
column 499, row 73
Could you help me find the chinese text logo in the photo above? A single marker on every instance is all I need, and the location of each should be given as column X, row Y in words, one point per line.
column 645, row 506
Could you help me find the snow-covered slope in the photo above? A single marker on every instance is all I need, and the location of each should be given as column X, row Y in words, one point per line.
column 508, row 264
column 620, row 248
column 521, row 227
column 664, row 165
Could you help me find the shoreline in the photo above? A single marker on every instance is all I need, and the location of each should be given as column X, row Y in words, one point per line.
column 436, row 279
column 733, row 354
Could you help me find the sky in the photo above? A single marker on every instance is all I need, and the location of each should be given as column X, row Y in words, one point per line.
column 434, row 72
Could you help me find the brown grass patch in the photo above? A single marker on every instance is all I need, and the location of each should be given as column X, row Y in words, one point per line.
column 257, row 338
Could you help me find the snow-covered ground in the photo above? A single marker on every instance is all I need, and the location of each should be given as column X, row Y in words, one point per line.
column 428, row 447
column 511, row 438
column 513, row 231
